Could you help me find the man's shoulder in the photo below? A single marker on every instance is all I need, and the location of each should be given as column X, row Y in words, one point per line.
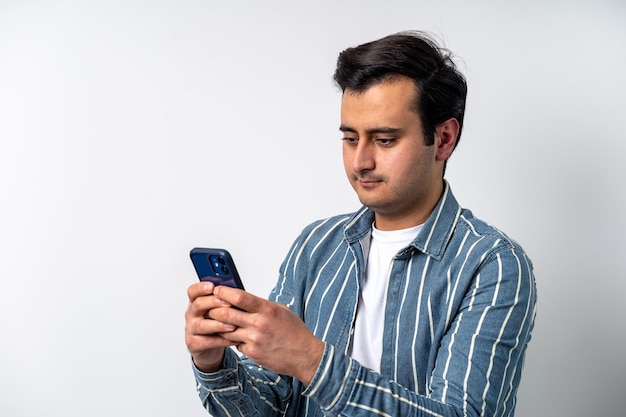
column 492, row 235
column 335, row 230
column 334, row 224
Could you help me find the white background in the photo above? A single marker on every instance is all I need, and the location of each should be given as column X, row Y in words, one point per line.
column 131, row 131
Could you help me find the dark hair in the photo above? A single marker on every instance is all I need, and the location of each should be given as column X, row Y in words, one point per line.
column 440, row 88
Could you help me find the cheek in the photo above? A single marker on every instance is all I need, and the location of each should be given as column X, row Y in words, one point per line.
column 411, row 168
column 348, row 159
column 400, row 164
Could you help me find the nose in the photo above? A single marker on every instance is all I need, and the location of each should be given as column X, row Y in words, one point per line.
column 362, row 157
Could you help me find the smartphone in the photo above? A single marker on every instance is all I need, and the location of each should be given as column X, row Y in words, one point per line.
column 215, row 265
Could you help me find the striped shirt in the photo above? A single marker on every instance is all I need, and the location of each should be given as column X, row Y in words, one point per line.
column 458, row 316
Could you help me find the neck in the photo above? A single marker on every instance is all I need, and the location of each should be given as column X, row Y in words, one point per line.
column 413, row 216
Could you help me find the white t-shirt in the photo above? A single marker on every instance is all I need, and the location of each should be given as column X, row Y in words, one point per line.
column 367, row 339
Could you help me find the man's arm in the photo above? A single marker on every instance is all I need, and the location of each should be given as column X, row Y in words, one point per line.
column 225, row 385
column 269, row 333
column 240, row 388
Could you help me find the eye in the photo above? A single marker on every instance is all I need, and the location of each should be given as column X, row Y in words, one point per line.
column 350, row 140
column 385, row 141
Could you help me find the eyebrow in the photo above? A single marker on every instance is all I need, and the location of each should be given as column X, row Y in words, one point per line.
column 382, row 129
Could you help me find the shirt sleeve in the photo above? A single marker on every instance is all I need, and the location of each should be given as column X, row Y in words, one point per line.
column 242, row 388
column 478, row 363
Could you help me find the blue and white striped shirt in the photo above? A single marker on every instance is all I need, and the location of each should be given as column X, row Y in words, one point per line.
column 459, row 313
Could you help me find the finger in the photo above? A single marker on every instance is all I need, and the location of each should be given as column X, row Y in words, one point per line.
column 227, row 315
column 200, row 306
column 200, row 289
column 201, row 343
column 239, row 298
column 209, row 327
column 233, row 338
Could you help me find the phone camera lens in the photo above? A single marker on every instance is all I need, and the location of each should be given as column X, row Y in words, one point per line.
column 224, row 270
column 221, row 260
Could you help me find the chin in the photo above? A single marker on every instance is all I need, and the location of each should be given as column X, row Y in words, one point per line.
column 375, row 206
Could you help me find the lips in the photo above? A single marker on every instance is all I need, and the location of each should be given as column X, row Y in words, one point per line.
column 368, row 182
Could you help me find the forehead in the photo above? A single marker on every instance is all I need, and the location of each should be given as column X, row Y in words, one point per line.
column 382, row 102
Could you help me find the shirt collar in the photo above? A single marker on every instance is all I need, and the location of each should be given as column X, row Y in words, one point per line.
column 433, row 237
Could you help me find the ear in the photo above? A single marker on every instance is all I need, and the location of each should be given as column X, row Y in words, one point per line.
column 446, row 135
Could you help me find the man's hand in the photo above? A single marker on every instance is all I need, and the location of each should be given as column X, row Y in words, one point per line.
column 204, row 336
column 268, row 333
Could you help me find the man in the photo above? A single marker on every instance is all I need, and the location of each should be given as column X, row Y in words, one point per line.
column 408, row 307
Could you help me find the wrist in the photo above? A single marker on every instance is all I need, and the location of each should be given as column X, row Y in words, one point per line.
column 207, row 366
column 313, row 359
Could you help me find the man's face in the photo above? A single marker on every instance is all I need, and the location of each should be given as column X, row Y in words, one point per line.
column 391, row 169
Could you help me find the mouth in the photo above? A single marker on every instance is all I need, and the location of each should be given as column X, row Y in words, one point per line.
column 368, row 182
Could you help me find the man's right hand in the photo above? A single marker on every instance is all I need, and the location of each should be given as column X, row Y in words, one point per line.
column 202, row 334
